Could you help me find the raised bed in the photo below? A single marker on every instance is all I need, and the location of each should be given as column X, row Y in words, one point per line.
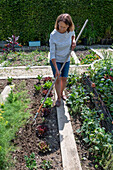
column 100, row 105
column 87, row 56
column 32, row 71
column 34, row 58
column 26, row 140
column 89, row 124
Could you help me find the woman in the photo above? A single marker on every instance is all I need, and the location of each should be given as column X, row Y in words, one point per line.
column 62, row 39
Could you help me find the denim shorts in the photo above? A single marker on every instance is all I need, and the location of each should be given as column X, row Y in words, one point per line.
column 65, row 70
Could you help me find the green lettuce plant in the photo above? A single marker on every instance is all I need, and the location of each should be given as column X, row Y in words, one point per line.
column 48, row 102
column 47, row 85
column 46, row 165
column 30, row 161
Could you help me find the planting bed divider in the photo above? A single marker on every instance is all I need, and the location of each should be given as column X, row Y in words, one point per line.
column 108, row 121
column 70, row 158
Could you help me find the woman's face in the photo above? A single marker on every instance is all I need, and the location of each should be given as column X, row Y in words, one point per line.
column 62, row 27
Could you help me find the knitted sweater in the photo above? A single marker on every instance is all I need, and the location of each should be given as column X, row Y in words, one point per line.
column 60, row 44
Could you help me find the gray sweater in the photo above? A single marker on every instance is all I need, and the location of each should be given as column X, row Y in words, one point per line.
column 60, row 44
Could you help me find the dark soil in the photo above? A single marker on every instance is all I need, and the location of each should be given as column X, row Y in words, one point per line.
column 82, row 52
column 26, row 140
column 85, row 157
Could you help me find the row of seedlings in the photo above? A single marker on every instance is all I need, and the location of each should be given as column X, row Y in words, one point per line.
column 42, row 129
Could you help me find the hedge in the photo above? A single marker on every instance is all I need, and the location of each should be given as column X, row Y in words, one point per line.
column 34, row 19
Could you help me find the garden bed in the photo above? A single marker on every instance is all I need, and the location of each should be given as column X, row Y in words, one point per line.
column 40, row 58
column 26, row 140
column 93, row 141
column 86, row 56
column 34, row 58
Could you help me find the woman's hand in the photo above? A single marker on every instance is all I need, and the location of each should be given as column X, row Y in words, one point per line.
column 56, row 68
column 57, row 73
column 73, row 45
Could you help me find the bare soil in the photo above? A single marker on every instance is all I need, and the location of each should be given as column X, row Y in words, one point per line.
column 82, row 53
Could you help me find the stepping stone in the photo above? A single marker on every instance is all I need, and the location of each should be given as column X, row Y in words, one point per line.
column 70, row 158
column 5, row 93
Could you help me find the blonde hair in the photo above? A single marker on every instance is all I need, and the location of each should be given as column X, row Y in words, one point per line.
column 66, row 18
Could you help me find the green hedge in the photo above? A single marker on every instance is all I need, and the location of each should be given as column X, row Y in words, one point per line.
column 35, row 19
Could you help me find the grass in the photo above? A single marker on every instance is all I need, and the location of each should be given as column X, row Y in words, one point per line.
column 13, row 115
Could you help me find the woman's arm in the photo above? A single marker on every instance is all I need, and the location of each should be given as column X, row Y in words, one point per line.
column 52, row 55
column 56, row 68
column 73, row 45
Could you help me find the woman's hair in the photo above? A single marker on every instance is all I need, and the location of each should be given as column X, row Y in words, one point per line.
column 66, row 18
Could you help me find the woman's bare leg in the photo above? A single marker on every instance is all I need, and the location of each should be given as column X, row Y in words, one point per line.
column 63, row 84
column 58, row 88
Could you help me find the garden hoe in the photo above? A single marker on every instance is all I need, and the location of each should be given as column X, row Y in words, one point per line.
column 60, row 73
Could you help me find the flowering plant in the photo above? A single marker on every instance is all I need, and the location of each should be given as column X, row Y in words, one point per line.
column 12, row 42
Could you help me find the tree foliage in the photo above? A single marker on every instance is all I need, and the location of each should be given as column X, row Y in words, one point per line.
column 35, row 19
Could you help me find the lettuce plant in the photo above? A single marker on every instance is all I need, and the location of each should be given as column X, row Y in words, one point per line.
column 47, row 79
column 46, row 164
column 48, row 103
column 44, row 92
column 30, row 161
column 39, row 78
column 43, row 147
column 9, row 79
column 41, row 130
column 47, row 85
column 45, row 112
column 37, row 88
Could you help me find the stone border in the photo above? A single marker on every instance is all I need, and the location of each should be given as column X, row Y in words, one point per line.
column 110, row 49
column 98, row 53
column 70, row 157
column 33, row 71
column 4, row 94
